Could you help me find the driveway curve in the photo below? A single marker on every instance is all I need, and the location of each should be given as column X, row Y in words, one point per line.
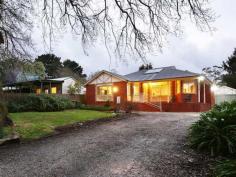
column 149, row 144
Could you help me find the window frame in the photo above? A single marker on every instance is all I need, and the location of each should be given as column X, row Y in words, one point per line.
column 109, row 97
column 189, row 82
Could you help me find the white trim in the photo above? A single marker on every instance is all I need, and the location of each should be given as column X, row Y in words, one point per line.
column 106, row 72
column 204, row 86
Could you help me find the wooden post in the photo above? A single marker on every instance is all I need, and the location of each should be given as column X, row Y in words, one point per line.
column 50, row 87
column 204, row 92
column 131, row 91
column 141, row 92
column 199, row 91
column 149, row 92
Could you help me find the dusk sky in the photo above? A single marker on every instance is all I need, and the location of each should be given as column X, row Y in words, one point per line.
column 192, row 51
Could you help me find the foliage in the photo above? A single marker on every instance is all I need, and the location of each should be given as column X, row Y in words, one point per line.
column 52, row 64
column 225, row 168
column 215, row 132
column 230, row 67
column 9, row 69
column 30, row 71
column 129, row 107
column 213, row 73
column 76, row 69
column 71, row 89
column 5, row 121
column 33, row 125
column 96, row 108
column 77, row 87
column 107, row 103
column 41, row 103
column 144, row 67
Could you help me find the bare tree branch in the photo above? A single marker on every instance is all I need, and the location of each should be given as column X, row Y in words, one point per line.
column 127, row 26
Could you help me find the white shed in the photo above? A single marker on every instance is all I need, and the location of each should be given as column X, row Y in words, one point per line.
column 224, row 93
column 67, row 81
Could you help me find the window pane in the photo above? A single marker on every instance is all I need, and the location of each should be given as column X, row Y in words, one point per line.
column 189, row 87
column 53, row 90
column 178, row 86
column 104, row 93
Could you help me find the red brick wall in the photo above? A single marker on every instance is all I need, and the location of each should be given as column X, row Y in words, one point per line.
column 122, row 91
column 90, row 94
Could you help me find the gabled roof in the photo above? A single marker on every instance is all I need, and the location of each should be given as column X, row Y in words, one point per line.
column 169, row 72
column 63, row 78
column 109, row 73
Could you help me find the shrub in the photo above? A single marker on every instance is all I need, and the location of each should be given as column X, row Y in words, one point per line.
column 129, row 107
column 41, row 103
column 107, row 104
column 215, row 132
column 225, row 168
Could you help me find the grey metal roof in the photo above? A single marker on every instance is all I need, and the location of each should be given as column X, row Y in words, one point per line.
column 169, row 72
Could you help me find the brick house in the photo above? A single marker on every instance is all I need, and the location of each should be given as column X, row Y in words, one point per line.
column 159, row 89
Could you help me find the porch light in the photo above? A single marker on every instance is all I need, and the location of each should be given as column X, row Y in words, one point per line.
column 201, row 78
column 214, row 88
column 115, row 89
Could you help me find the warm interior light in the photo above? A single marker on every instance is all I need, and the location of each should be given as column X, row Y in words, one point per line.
column 115, row 89
column 201, row 78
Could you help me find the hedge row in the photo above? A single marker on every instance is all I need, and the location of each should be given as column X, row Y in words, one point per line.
column 41, row 103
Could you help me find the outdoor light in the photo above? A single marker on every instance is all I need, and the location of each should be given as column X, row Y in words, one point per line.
column 214, row 88
column 115, row 89
column 201, row 78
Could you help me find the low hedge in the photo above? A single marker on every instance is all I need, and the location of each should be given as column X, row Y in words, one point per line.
column 40, row 103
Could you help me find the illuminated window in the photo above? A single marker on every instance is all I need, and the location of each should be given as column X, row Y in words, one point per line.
column 38, row 91
column 104, row 93
column 178, row 86
column 136, row 92
column 160, row 91
column 53, row 90
column 189, row 87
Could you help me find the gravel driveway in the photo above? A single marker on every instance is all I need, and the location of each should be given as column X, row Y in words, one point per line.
column 149, row 144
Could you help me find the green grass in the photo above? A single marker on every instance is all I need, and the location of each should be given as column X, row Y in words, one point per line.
column 33, row 125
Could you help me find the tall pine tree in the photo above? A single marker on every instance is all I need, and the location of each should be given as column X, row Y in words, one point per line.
column 230, row 67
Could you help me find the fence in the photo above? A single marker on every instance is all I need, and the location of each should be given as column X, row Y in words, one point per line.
column 222, row 98
column 6, row 97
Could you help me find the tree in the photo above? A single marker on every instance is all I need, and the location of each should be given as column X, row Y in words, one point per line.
column 77, row 87
column 9, row 69
column 15, row 70
column 15, row 27
column 74, row 67
column 52, row 64
column 230, row 67
column 131, row 26
column 213, row 73
column 31, row 71
column 145, row 67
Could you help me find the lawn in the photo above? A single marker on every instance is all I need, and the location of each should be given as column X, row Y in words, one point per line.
column 33, row 125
